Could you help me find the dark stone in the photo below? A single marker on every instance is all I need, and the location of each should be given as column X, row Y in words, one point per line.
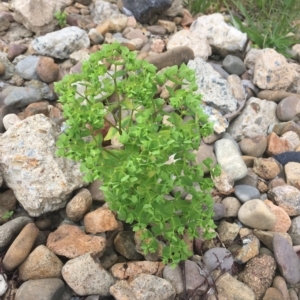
column 286, row 157
column 145, row 10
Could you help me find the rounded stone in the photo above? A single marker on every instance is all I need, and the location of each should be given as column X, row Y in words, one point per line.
column 288, row 108
column 255, row 146
column 21, row 247
column 26, row 68
column 266, row 168
column 47, row 69
column 294, row 230
column 256, row 214
column 232, row 206
column 280, row 284
column 246, row 192
column 234, row 65
column 2, row 68
column 41, row 263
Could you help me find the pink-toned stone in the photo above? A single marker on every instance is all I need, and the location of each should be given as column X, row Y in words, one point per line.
column 37, row 108
column 158, row 46
column 131, row 22
column 132, row 269
column 54, row 112
column 266, row 168
column 70, row 241
column 47, row 69
column 15, row 50
column 100, row 220
column 276, row 145
column 283, row 221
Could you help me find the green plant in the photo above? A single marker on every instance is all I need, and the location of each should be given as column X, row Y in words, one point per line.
column 7, row 215
column 202, row 6
column 268, row 24
column 61, row 18
column 138, row 175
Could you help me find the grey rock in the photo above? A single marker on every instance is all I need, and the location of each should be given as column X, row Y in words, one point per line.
column 294, row 231
column 175, row 9
column 289, row 268
column 230, row 159
column 26, row 68
column 288, row 108
column 250, row 179
column 50, row 288
column 103, row 10
column 194, row 279
column 175, row 277
column 85, row 275
column 4, row 23
column 246, row 192
column 219, row 211
column 41, row 181
column 60, row 44
column 254, row 120
column 9, row 67
column 144, row 11
column 11, row 229
column 234, row 65
column 212, row 86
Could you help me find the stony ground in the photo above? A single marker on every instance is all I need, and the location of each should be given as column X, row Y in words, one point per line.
column 63, row 242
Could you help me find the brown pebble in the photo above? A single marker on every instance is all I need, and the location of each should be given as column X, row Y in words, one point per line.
column 2, row 68
column 47, row 69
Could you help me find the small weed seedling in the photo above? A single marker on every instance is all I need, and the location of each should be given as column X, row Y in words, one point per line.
column 61, row 18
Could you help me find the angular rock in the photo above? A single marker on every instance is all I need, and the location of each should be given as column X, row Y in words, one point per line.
column 289, row 268
column 198, row 43
column 287, row 197
column 259, row 274
column 21, row 247
column 256, row 214
column 223, row 183
column 220, row 123
column 222, row 37
column 249, row 249
column 41, row 263
column 272, row 71
column 228, row 231
column 70, row 241
column 41, row 181
column 266, row 168
column 60, row 44
column 292, row 138
column 277, row 145
column 292, row 172
column 230, row 159
column 254, row 120
column 15, row 50
column 212, row 86
column 8, row 200
column 36, row 15
column 85, row 276
column 104, row 10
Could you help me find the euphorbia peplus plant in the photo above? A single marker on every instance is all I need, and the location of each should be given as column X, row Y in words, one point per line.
column 138, row 175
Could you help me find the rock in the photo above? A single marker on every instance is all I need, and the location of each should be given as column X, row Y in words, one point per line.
column 15, row 50
column 287, row 197
column 145, row 11
column 2, row 68
column 125, row 245
column 10, row 120
column 250, row 248
column 109, row 258
column 222, row 37
column 292, row 138
column 35, row 15
column 288, row 108
column 258, row 274
column 175, row 277
column 197, row 42
column 172, row 57
column 37, row 108
column 104, row 10
column 136, row 34
column 8, row 200
column 121, row 290
column 47, row 70
column 266, row 168
column 286, row 157
column 100, row 220
column 157, row 29
column 223, row 183
column 212, row 86
column 218, row 259
column 277, row 145
column 283, row 221
column 132, row 269
column 60, row 44
column 8, row 66
column 117, row 23
column 70, row 241
column 95, row 36
column 228, row 232
column 292, row 172
column 234, row 65
column 219, row 211
column 232, row 206
column 236, row 87
column 256, row 214
column 280, row 284
column 4, row 23
column 230, row 159
column 20, row 248
column 79, row 205
column 272, row 71
column 26, row 67
column 294, row 230
column 254, row 120
column 41, row 263
column 94, row 188
column 11, row 229
column 251, row 179
column 237, row 290
column 255, row 146
column 3, row 284
column 272, row 294
column 52, row 288
column 85, row 275
column 34, row 91
column 246, row 192
column 220, row 123
column 289, row 268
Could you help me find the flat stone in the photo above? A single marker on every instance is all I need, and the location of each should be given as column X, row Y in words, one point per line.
column 41, row 263
column 85, row 276
column 26, row 68
column 218, row 258
column 246, row 192
column 194, row 279
column 70, row 241
column 37, row 108
column 266, row 237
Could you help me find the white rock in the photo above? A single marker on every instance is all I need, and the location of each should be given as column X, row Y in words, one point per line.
column 104, row 10
column 37, row 15
column 197, row 42
column 212, row 86
column 10, row 120
column 60, row 44
column 221, row 36
column 41, row 181
column 3, row 284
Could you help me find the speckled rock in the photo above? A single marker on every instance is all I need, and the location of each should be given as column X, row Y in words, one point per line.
column 266, row 168
column 228, row 231
column 223, row 183
column 47, row 69
column 259, row 274
column 292, row 173
column 294, row 230
column 85, row 276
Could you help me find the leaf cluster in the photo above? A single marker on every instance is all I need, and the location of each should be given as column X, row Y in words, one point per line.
column 156, row 145
column 61, row 17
